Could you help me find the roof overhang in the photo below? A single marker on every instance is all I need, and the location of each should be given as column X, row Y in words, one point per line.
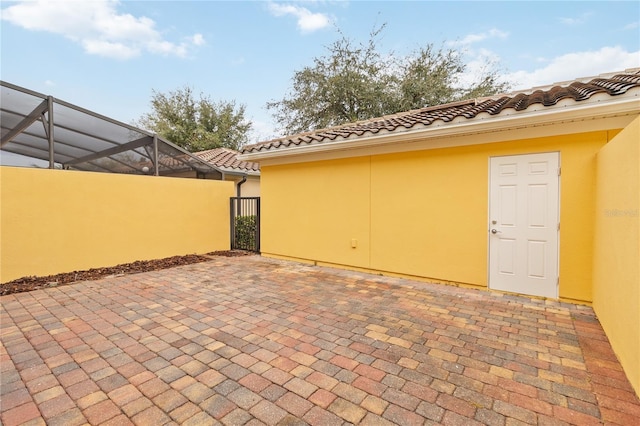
column 600, row 112
column 63, row 135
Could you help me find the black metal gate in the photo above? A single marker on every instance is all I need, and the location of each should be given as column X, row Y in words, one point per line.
column 245, row 223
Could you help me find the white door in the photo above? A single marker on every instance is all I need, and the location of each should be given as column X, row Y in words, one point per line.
column 523, row 224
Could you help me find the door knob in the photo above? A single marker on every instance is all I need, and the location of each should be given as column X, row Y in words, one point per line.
column 494, row 231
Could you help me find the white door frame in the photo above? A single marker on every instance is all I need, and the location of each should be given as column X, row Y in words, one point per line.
column 492, row 237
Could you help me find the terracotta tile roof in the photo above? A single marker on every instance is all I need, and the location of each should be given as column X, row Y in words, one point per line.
column 579, row 90
column 221, row 159
column 227, row 159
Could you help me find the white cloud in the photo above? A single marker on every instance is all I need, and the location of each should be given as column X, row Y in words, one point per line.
column 307, row 20
column 631, row 26
column 109, row 49
column 569, row 21
column 567, row 67
column 475, row 38
column 477, row 64
column 98, row 27
column 262, row 130
column 576, row 21
column 198, row 39
column 576, row 65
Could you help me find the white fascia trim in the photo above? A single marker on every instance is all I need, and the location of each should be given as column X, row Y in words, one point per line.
column 623, row 105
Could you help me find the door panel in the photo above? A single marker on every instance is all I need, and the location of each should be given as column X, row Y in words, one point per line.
column 523, row 224
column 536, row 259
column 508, row 205
column 537, row 206
column 506, row 256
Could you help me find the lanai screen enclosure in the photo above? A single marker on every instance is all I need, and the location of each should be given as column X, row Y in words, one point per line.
column 67, row 136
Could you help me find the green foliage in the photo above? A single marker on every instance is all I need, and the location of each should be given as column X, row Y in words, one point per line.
column 245, row 228
column 357, row 82
column 197, row 124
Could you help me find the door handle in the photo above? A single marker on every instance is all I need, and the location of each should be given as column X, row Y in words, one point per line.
column 495, row 231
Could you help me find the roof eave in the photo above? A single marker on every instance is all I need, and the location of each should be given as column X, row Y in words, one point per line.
column 596, row 107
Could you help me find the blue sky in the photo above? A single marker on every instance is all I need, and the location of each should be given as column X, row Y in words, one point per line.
column 108, row 56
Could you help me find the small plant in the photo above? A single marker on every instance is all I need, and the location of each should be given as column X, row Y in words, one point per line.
column 246, row 227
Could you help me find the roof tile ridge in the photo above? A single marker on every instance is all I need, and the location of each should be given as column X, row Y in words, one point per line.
column 584, row 80
column 292, row 137
column 520, row 99
column 388, row 117
column 204, row 151
column 360, row 123
column 227, row 149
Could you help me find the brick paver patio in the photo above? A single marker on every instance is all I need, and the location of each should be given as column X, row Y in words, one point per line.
column 249, row 340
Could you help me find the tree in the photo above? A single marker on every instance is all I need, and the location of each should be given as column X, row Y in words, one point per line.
column 357, row 82
column 197, row 124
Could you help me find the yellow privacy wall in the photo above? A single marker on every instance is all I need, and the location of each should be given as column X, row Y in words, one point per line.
column 421, row 213
column 56, row 221
column 616, row 276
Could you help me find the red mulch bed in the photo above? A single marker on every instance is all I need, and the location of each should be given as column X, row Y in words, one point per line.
column 34, row 283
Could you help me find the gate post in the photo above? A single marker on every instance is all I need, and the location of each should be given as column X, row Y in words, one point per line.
column 232, row 219
column 258, row 224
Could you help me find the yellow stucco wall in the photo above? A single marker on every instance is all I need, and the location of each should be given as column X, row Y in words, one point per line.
column 422, row 213
column 314, row 211
column 616, row 280
column 56, row 221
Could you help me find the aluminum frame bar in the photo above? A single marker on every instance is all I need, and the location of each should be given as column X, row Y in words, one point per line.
column 156, row 164
column 50, row 138
column 146, row 140
column 26, row 122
